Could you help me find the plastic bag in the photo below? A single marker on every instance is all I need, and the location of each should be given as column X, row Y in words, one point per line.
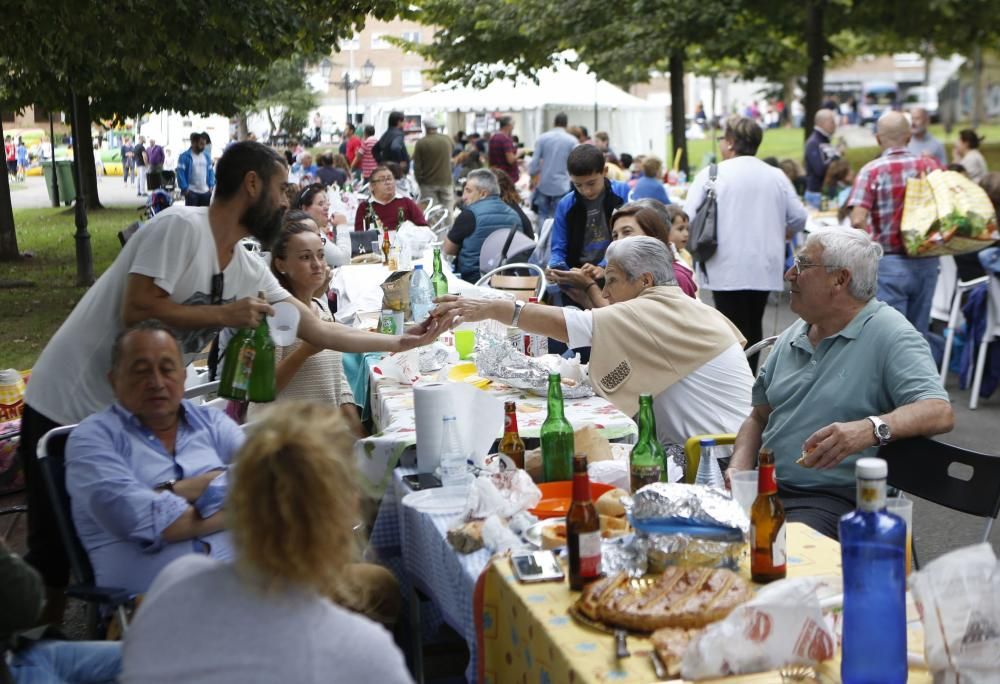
column 504, row 494
column 946, row 213
column 958, row 596
column 782, row 625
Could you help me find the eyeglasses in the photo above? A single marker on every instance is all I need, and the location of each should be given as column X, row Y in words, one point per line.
column 800, row 265
column 383, row 181
column 218, row 281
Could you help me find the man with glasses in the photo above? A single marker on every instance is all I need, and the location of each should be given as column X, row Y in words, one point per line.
column 187, row 268
column 851, row 375
column 580, row 233
column 386, row 203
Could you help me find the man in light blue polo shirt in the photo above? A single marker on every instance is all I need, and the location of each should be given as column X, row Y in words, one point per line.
column 852, row 374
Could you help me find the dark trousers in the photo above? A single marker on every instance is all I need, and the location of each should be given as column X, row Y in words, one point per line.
column 819, row 509
column 745, row 308
column 198, row 199
column 45, row 548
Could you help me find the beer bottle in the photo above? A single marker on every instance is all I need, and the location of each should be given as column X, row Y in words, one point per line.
column 262, row 384
column 400, row 217
column 767, row 525
column 438, row 279
column 511, row 445
column 648, row 461
column 583, row 530
column 556, row 437
column 386, row 245
column 237, row 366
column 371, row 222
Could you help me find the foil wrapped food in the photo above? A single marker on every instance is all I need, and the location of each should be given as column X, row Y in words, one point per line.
column 688, row 524
column 497, row 359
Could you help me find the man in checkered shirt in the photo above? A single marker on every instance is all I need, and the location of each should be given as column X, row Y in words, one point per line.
column 904, row 283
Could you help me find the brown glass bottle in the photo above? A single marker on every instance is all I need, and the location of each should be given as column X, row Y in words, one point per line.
column 511, row 445
column 767, row 525
column 583, row 530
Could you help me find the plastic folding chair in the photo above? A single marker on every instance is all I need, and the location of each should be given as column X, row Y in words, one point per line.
column 522, row 287
column 51, row 452
column 959, row 479
column 961, row 287
column 992, row 333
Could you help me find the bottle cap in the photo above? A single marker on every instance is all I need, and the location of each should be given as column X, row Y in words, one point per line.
column 707, row 442
column 418, row 267
column 871, row 469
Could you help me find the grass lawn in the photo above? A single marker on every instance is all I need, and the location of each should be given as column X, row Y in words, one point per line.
column 788, row 143
column 29, row 316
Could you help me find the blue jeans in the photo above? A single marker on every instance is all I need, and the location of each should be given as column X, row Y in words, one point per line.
column 907, row 285
column 546, row 206
column 813, row 199
column 68, row 662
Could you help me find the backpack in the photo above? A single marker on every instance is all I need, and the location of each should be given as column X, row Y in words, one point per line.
column 703, row 240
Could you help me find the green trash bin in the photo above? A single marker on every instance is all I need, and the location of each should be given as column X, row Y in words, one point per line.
column 67, row 182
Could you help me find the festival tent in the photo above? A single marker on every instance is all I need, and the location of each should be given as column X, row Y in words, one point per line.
column 633, row 125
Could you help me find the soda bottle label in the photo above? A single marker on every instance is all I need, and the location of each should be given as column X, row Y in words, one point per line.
column 590, row 554
column 779, row 553
column 244, row 367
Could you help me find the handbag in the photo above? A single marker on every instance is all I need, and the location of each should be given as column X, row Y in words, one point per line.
column 361, row 241
column 703, row 240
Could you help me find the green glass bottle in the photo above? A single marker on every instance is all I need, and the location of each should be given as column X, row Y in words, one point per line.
column 648, row 462
column 438, row 279
column 556, row 437
column 400, row 218
column 237, row 366
column 262, row 385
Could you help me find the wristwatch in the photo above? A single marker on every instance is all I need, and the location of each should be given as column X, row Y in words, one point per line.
column 167, row 485
column 518, row 307
column 882, row 432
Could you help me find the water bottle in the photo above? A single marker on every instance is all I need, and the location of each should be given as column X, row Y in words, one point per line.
column 709, row 473
column 421, row 294
column 872, row 547
column 454, row 471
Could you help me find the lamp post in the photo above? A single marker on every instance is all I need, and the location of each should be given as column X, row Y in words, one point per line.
column 347, row 84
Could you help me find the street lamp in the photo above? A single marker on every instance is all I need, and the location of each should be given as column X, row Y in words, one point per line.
column 347, row 84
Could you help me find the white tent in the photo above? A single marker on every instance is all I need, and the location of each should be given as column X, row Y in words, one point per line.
column 633, row 125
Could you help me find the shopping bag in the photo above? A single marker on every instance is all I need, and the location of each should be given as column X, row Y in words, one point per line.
column 919, row 216
column 946, row 213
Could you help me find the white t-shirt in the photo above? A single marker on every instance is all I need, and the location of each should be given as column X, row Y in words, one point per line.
column 714, row 399
column 198, row 182
column 200, row 622
column 757, row 205
column 176, row 248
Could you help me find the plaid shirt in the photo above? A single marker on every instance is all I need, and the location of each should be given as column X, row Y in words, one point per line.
column 880, row 187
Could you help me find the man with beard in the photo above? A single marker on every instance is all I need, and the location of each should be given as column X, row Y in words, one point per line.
column 186, row 268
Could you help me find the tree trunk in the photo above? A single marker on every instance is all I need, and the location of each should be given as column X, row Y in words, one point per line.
column 678, row 121
column 977, row 86
column 788, row 96
column 928, row 58
column 81, row 153
column 270, row 121
column 242, row 128
column 816, row 50
column 85, row 158
column 8, row 236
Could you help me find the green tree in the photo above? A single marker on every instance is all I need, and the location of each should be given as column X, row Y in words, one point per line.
column 286, row 91
column 116, row 59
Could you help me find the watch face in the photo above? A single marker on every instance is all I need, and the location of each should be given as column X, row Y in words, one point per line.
column 882, row 431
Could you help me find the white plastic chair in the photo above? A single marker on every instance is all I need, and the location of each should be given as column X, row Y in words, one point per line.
column 539, row 286
column 992, row 333
column 961, row 287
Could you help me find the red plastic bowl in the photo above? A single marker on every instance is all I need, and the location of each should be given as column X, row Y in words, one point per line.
column 557, row 496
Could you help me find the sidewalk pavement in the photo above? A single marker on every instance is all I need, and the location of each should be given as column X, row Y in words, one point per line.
column 32, row 193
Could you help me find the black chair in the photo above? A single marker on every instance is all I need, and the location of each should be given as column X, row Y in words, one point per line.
column 950, row 476
column 52, row 461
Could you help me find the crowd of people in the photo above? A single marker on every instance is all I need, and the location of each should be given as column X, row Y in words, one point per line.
column 236, row 538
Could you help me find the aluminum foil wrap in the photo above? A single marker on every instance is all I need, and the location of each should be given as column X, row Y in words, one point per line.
column 497, row 359
column 434, row 357
column 682, row 524
column 626, row 553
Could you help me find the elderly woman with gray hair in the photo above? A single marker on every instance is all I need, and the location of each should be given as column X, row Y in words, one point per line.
column 651, row 339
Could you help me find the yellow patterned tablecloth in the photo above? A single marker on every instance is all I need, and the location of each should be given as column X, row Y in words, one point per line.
column 527, row 636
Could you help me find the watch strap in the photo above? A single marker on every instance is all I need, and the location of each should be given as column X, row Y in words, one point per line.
column 518, row 307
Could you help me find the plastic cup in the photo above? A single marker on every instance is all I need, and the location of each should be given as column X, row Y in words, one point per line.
column 744, row 486
column 904, row 509
column 284, row 324
column 465, row 343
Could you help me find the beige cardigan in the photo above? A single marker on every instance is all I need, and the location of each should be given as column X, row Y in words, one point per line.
column 645, row 345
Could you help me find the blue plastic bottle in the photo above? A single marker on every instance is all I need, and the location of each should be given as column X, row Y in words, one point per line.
column 872, row 546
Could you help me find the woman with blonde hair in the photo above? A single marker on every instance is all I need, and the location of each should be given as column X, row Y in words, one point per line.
column 289, row 608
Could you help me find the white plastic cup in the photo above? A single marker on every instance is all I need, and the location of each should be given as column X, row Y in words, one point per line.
column 744, row 486
column 904, row 509
column 284, row 324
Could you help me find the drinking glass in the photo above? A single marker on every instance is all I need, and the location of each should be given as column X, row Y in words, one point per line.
column 904, row 509
column 744, row 486
column 465, row 343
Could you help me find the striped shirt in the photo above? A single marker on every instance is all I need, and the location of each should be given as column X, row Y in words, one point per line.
column 880, row 187
column 368, row 162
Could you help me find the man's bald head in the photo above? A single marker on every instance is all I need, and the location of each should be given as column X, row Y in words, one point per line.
column 825, row 120
column 893, row 130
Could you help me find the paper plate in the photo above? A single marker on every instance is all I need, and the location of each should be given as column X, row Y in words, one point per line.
column 557, row 496
column 533, row 535
column 466, row 372
column 437, row 500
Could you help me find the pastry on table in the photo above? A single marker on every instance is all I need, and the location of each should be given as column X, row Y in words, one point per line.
column 610, row 503
column 688, row 598
column 670, row 644
column 467, row 537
